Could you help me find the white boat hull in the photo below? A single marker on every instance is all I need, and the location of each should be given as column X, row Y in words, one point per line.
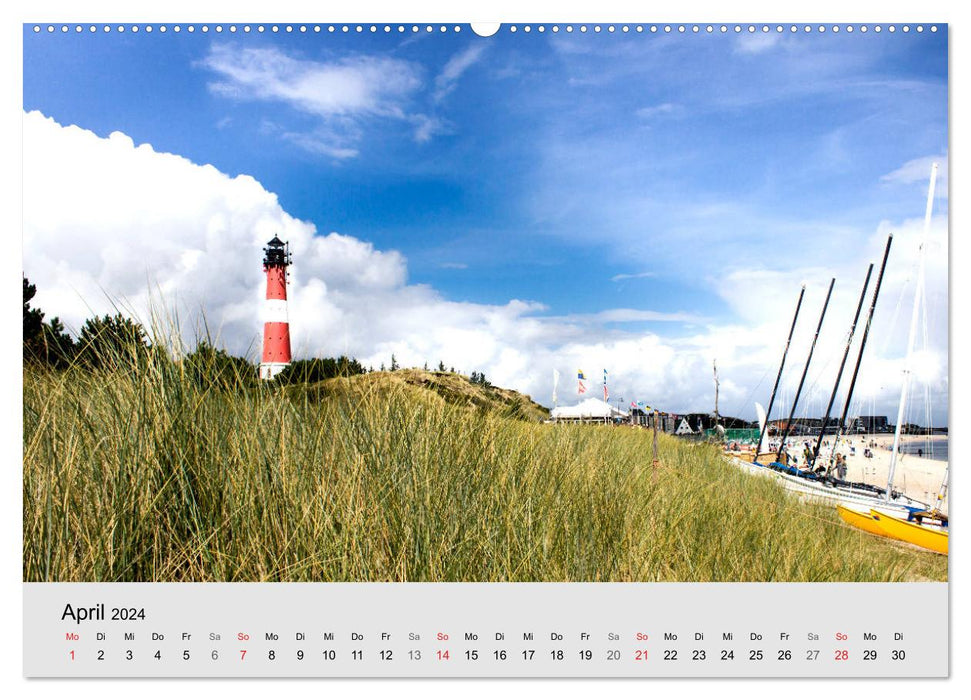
column 826, row 493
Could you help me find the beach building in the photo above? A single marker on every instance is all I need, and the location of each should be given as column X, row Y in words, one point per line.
column 592, row 410
column 874, row 424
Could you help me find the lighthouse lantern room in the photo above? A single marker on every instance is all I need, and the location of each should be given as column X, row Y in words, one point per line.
column 276, row 328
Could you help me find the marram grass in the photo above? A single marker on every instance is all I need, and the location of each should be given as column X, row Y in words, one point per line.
column 149, row 473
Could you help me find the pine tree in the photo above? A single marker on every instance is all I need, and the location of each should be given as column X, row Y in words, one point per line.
column 59, row 347
column 44, row 342
column 33, row 325
column 111, row 341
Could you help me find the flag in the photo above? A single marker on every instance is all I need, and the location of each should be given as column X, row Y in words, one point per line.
column 606, row 395
column 556, row 380
column 581, row 389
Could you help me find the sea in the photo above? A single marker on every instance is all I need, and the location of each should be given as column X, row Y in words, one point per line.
column 934, row 448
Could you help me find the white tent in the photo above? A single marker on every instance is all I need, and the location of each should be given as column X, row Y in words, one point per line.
column 591, row 409
column 684, row 428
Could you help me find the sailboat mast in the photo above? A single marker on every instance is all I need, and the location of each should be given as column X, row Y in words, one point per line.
column 714, row 366
column 942, row 492
column 922, row 254
column 839, row 374
column 866, row 332
column 805, row 370
column 768, row 412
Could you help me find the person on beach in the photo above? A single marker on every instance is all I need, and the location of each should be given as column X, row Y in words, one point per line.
column 840, row 466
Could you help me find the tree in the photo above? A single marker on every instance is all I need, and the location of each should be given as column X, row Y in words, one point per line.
column 59, row 347
column 33, row 322
column 214, row 367
column 426, row 366
column 111, row 342
column 478, row 378
column 441, row 366
column 394, row 364
column 318, row 369
column 44, row 342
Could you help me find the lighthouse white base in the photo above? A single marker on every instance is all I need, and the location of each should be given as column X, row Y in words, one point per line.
column 268, row 370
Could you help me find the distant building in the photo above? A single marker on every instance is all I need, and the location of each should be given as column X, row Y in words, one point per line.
column 871, row 424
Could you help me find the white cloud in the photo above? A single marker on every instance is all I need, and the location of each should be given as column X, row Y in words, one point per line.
column 340, row 93
column 655, row 110
column 352, row 85
column 631, row 276
column 446, row 81
column 106, row 218
column 918, row 171
column 757, row 42
column 629, row 316
column 323, row 143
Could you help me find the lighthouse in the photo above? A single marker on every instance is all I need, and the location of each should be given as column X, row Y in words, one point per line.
column 276, row 329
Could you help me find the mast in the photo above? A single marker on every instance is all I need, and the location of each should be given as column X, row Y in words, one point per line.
column 922, row 254
column 812, row 348
column 942, row 492
column 839, row 374
column 866, row 332
column 768, row 411
column 714, row 366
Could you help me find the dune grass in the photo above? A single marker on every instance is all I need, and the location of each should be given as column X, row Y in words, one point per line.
column 147, row 471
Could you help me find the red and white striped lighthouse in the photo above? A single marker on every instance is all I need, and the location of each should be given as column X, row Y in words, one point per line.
column 276, row 328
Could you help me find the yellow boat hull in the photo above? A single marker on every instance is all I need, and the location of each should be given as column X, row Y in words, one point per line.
column 862, row 521
column 920, row 535
column 750, row 456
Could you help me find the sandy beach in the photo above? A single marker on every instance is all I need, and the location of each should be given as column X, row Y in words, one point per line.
column 918, row 477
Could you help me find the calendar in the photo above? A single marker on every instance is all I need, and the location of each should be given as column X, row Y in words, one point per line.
column 513, row 350
column 485, row 630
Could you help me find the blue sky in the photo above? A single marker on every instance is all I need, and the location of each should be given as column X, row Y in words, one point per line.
column 621, row 185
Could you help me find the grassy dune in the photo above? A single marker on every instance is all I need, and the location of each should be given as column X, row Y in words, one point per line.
column 149, row 473
column 450, row 387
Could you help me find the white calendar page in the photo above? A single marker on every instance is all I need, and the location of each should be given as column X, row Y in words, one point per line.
column 387, row 160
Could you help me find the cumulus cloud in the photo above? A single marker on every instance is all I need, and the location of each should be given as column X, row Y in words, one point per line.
column 109, row 222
